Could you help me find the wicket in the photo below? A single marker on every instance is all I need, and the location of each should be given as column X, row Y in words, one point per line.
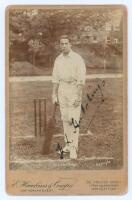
column 40, row 116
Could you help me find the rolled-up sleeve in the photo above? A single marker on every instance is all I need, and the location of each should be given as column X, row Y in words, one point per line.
column 55, row 74
column 81, row 71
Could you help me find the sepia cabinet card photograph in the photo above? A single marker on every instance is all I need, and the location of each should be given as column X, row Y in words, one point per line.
column 66, row 100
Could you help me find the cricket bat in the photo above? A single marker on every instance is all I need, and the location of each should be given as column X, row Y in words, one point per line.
column 49, row 132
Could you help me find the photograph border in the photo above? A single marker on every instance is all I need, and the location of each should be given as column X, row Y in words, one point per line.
column 116, row 174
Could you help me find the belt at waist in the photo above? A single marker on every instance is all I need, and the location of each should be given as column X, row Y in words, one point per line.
column 68, row 82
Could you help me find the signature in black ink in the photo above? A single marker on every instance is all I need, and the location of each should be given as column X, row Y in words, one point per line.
column 60, row 149
column 84, row 108
column 89, row 98
column 67, row 141
column 76, row 124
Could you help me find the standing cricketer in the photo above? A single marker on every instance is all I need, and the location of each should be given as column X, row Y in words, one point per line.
column 68, row 79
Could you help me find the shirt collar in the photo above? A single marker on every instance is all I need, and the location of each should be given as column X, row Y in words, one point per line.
column 69, row 54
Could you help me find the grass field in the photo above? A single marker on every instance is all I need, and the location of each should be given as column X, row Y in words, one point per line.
column 106, row 126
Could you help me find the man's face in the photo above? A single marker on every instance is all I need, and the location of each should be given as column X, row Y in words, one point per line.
column 65, row 46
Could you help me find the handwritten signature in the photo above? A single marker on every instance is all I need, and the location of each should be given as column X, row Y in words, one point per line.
column 84, row 107
column 60, row 150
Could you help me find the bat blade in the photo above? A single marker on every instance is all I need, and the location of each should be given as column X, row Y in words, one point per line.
column 48, row 136
column 49, row 133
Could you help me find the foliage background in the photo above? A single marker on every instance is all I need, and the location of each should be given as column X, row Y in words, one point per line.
column 34, row 38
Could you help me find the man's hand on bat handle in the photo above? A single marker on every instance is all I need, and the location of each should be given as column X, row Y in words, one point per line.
column 55, row 99
column 54, row 94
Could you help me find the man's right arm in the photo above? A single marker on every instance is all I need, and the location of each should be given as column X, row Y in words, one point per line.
column 55, row 93
column 55, row 81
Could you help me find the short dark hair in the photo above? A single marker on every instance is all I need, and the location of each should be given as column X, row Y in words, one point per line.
column 65, row 37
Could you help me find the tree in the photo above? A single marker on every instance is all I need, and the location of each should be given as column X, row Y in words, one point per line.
column 27, row 24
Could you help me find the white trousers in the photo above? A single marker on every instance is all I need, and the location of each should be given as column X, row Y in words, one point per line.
column 70, row 114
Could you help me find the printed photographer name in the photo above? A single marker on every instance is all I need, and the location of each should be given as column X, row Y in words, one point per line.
column 58, row 185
